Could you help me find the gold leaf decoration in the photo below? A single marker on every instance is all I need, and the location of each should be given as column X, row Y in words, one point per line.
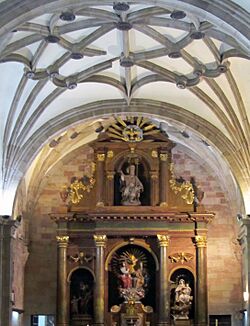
column 185, row 188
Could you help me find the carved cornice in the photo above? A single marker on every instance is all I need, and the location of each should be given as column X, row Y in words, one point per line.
column 163, row 240
column 127, row 216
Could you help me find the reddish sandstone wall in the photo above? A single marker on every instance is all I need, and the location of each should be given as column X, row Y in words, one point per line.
column 224, row 266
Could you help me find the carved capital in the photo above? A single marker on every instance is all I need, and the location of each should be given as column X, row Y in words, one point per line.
column 100, row 157
column 62, row 240
column 154, row 154
column 110, row 175
column 201, row 241
column 154, row 175
column 163, row 157
column 163, row 240
column 110, row 154
column 100, row 240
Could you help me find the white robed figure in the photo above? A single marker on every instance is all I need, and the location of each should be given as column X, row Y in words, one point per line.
column 131, row 187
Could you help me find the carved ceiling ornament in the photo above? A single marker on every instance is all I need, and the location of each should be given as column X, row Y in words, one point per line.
column 181, row 257
column 132, row 129
column 185, row 188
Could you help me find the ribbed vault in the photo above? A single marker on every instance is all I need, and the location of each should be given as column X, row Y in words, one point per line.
column 67, row 66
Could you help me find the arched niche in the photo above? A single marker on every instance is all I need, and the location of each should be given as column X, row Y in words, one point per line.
column 143, row 262
column 142, row 163
column 183, row 273
column 81, row 292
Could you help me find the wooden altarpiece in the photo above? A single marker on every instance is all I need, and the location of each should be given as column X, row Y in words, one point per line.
column 122, row 261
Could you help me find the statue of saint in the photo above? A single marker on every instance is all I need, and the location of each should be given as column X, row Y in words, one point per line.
column 131, row 188
column 183, row 300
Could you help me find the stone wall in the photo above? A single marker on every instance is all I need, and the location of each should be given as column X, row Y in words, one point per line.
column 224, row 286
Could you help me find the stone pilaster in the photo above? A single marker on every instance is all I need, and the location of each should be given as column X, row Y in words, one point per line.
column 201, row 300
column 164, row 300
column 7, row 230
column 100, row 179
column 244, row 238
column 62, row 315
column 99, row 295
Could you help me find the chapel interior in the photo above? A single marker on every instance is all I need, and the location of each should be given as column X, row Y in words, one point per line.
column 125, row 163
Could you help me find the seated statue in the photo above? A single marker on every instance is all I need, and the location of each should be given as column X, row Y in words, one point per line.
column 131, row 188
column 183, row 300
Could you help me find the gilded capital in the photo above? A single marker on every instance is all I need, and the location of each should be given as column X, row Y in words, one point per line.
column 100, row 157
column 201, row 241
column 100, row 240
column 110, row 175
column 154, row 154
column 62, row 240
column 110, row 154
column 164, row 157
column 163, row 240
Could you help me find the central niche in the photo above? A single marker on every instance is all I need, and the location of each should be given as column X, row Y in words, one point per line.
column 139, row 187
column 132, row 275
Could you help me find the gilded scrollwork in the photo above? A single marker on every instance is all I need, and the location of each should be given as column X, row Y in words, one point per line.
column 185, row 188
column 74, row 192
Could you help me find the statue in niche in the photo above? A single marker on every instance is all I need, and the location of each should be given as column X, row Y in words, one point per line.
column 80, row 304
column 131, row 187
column 183, row 300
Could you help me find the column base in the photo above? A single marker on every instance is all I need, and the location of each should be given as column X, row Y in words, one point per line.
column 186, row 322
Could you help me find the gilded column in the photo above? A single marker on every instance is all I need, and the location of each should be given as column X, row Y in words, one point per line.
column 100, row 242
column 164, row 300
column 62, row 315
column 100, row 179
column 163, row 178
column 201, row 308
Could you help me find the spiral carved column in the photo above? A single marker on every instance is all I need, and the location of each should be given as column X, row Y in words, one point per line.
column 164, row 304
column 62, row 290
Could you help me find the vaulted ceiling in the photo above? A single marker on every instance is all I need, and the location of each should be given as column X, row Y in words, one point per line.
column 68, row 67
